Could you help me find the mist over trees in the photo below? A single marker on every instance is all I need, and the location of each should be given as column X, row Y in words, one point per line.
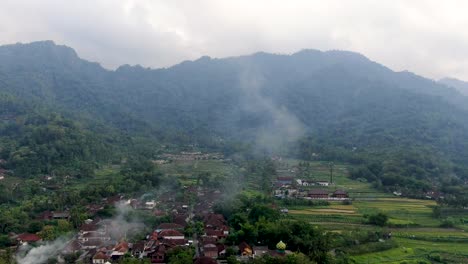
column 402, row 130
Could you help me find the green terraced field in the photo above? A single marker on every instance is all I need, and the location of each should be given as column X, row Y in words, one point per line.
column 418, row 250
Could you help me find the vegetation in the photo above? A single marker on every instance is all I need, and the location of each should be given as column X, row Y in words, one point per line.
column 73, row 133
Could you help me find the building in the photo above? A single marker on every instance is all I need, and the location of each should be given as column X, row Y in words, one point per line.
column 210, row 250
column 281, row 181
column 169, row 226
column 100, row 258
column 323, row 183
column 340, row 194
column 171, row 234
column 27, row 238
column 318, row 194
column 245, row 249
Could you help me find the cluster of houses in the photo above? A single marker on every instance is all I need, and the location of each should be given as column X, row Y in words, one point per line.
column 288, row 187
column 154, row 247
column 98, row 241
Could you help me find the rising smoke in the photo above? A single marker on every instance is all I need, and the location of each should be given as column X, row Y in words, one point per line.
column 283, row 127
column 122, row 225
column 42, row 253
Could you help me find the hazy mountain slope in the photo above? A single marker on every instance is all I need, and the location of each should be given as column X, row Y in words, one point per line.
column 461, row 86
column 336, row 96
column 36, row 141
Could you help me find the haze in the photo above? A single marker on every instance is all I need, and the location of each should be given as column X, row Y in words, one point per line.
column 426, row 37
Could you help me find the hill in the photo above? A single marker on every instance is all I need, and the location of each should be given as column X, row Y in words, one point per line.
column 461, row 86
column 338, row 104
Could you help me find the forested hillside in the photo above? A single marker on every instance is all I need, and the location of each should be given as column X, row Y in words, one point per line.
column 39, row 142
column 337, row 105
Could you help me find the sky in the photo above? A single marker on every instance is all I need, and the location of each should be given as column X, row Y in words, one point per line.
column 426, row 37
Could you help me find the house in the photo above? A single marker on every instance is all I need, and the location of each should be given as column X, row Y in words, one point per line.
column 46, row 216
column 209, row 240
column 149, row 205
column 245, row 249
column 158, row 254
column 318, row 194
column 218, row 234
column 171, row 234
column 72, row 247
column 340, row 194
column 307, row 183
column 180, row 219
column 304, row 183
column 138, row 248
column 260, row 251
column 281, row 181
column 323, row 183
column 88, row 228
column 25, row 238
column 210, row 250
column 120, row 250
column 54, row 215
column 221, row 250
column 214, row 220
column 169, row 226
column 61, row 215
column 100, row 257
column 175, row 242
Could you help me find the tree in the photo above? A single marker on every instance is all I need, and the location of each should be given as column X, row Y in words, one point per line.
column 48, row 232
column 379, row 219
column 180, row 255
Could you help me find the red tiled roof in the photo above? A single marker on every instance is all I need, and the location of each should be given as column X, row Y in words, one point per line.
column 27, row 237
column 100, row 255
column 170, row 233
column 46, row 215
column 209, row 239
column 180, row 219
column 169, row 226
column 220, row 247
column 218, row 233
column 122, row 247
column 210, row 247
column 175, row 242
column 89, row 227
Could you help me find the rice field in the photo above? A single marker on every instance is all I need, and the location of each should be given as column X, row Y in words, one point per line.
column 416, row 251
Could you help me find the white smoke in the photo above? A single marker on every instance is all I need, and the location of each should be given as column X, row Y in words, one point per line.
column 285, row 127
column 42, row 253
column 124, row 223
column 118, row 227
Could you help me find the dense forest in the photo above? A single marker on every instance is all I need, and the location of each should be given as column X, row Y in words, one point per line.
column 402, row 131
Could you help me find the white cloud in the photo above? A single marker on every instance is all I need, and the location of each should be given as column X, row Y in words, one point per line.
column 427, row 37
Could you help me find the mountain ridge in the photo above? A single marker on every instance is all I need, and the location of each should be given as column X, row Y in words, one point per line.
column 340, row 100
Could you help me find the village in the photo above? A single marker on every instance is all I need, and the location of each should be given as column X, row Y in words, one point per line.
column 184, row 223
column 296, row 182
column 195, row 226
column 187, row 220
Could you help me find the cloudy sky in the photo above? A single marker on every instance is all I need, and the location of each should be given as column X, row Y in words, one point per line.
column 426, row 37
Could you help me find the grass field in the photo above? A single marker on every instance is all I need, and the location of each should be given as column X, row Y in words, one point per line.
column 418, row 250
column 417, row 232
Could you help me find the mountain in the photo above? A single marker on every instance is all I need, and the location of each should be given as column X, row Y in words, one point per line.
column 338, row 103
column 461, row 86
